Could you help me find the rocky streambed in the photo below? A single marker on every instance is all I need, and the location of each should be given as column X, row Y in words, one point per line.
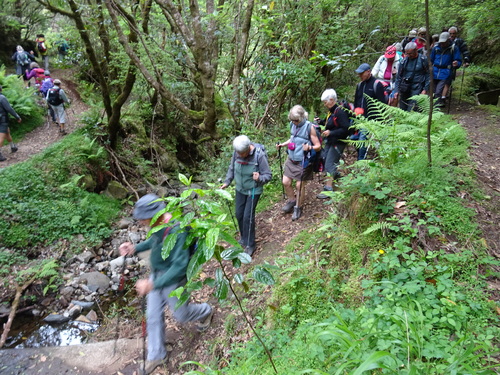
column 90, row 284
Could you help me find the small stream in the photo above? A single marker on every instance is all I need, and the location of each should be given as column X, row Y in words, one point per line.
column 30, row 332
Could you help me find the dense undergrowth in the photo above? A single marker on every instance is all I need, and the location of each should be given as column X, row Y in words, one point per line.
column 42, row 203
column 394, row 279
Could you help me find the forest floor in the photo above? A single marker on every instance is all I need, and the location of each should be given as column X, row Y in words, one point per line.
column 274, row 232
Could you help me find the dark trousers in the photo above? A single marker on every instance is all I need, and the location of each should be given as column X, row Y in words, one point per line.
column 245, row 214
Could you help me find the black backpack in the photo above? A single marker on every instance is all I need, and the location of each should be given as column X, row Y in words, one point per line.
column 54, row 98
column 317, row 157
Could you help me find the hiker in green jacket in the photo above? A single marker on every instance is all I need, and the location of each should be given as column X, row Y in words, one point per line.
column 166, row 276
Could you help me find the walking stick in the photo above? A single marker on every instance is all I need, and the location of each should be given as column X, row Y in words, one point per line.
column 449, row 101
column 281, row 171
column 296, row 209
column 251, row 217
column 143, row 326
column 461, row 86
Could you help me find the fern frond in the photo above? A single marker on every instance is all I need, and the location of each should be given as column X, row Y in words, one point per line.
column 381, row 225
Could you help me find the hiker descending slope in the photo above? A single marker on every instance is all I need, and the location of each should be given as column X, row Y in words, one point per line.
column 250, row 169
column 336, row 132
column 302, row 142
column 166, row 276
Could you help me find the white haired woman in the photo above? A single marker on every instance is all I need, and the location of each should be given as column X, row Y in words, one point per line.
column 302, row 139
column 250, row 169
column 336, row 131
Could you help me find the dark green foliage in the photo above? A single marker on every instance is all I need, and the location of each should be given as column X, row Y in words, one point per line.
column 40, row 201
column 24, row 102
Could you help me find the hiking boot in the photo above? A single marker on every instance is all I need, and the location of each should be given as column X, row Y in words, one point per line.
column 152, row 365
column 249, row 250
column 288, row 207
column 13, row 148
column 440, row 103
column 297, row 213
column 324, row 196
column 2, row 158
column 203, row 324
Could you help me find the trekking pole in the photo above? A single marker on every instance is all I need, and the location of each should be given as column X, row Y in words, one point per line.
column 281, row 171
column 251, row 216
column 461, row 86
column 143, row 328
column 296, row 209
column 449, row 101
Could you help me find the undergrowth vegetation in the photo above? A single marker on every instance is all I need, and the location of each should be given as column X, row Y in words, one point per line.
column 23, row 101
column 42, row 200
column 394, row 279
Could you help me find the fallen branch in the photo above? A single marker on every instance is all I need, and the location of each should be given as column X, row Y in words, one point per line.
column 117, row 163
column 19, row 292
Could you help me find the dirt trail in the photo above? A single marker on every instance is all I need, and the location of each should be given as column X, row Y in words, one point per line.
column 43, row 136
column 274, row 231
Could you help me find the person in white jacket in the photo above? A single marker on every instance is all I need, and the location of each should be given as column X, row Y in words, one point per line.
column 386, row 68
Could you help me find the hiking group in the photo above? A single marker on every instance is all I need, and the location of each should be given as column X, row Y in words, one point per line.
column 53, row 96
column 399, row 74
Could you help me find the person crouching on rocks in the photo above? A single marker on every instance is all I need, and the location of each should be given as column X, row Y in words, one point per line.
column 303, row 138
column 166, row 275
column 250, row 168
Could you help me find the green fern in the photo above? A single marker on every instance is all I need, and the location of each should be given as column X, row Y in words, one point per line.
column 381, row 225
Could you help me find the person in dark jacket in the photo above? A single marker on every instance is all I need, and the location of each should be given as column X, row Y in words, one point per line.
column 5, row 109
column 462, row 46
column 372, row 88
column 250, row 170
column 445, row 57
column 412, row 78
column 23, row 60
column 166, row 276
column 336, row 130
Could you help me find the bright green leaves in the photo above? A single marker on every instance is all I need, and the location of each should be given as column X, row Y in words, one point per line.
column 200, row 212
column 263, row 275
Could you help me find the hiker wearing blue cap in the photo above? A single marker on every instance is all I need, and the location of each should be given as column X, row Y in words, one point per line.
column 166, row 276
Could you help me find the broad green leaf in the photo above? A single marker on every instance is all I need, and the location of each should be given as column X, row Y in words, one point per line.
column 168, row 245
column 224, row 194
column 209, row 281
column 195, row 264
column 263, row 276
column 177, row 292
column 182, row 300
column 184, row 179
column 245, row 258
column 221, row 290
column 228, row 238
column 238, row 278
column 211, row 238
column 186, row 219
column 372, row 362
column 230, row 253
